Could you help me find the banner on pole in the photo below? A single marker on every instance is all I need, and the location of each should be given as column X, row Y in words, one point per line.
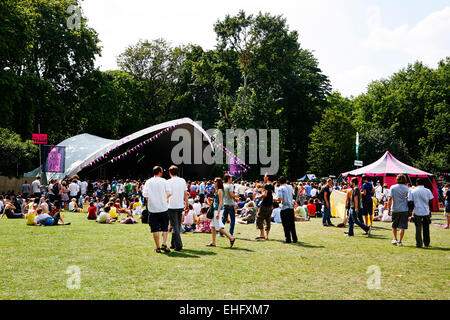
column 54, row 158
column 39, row 138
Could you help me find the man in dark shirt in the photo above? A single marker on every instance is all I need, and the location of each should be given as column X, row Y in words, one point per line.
column 265, row 211
column 355, row 207
column 326, row 218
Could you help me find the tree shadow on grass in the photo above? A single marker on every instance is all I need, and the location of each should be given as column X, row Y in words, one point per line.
column 189, row 253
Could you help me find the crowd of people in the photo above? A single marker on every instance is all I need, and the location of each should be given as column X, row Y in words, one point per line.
column 206, row 206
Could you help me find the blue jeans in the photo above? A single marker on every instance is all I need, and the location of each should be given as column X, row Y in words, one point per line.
column 326, row 215
column 232, row 213
column 352, row 219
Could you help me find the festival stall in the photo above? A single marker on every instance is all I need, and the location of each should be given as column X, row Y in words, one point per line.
column 388, row 167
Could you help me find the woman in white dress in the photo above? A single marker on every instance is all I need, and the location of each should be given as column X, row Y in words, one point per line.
column 216, row 223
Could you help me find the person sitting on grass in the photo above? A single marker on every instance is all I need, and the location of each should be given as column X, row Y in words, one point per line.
column 32, row 214
column 114, row 211
column 92, row 212
column 104, row 217
column 128, row 220
column 311, row 208
column 250, row 215
column 86, row 204
column 73, row 206
column 189, row 219
column 300, row 213
column 56, row 214
column 10, row 211
column 203, row 224
column 44, row 219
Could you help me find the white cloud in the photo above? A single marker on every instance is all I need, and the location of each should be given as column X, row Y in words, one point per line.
column 427, row 41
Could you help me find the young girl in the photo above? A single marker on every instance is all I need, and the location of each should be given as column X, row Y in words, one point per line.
column 189, row 219
column 203, row 223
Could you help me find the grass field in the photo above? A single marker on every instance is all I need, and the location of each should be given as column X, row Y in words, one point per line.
column 118, row 262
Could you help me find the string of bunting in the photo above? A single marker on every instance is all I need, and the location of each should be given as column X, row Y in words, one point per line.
column 442, row 174
column 216, row 145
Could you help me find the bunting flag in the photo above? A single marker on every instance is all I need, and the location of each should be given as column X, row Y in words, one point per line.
column 216, row 145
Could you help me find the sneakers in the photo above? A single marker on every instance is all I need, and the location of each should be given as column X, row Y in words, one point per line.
column 394, row 242
column 369, row 231
column 399, row 244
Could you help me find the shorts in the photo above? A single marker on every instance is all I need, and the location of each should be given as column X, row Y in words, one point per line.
column 158, row 221
column 264, row 214
column 447, row 208
column 217, row 223
column 400, row 220
column 367, row 207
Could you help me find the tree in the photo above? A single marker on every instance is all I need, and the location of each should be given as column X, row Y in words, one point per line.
column 19, row 153
column 332, row 147
column 281, row 86
column 42, row 62
column 375, row 142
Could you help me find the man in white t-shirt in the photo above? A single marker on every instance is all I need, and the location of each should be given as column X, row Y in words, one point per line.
column 36, row 186
column 156, row 191
column 83, row 188
column 178, row 201
column 73, row 189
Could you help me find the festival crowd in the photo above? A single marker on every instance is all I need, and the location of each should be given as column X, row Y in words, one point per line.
column 206, row 206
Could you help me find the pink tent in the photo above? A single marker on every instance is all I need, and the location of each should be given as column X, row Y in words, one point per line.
column 388, row 167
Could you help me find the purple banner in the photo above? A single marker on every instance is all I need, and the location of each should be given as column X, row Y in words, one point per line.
column 54, row 158
column 235, row 169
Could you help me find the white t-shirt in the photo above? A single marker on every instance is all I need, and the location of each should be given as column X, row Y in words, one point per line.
column 102, row 217
column 241, row 189
column 35, row 185
column 50, row 189
column 74, row 188
column 84, row 185
column 197, row 208
column 177, row 188
column 1, row 205
column 156, row 190
column 314, row 192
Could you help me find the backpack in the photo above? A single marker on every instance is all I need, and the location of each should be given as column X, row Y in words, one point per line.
column 55, row 189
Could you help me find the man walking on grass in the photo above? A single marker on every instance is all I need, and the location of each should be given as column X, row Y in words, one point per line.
column 265, row 210
column 398, row 206
column 420, row 199
column 285, row 196
column 156, row 191
column 355, row 207
column 326, row 219
column 178, row 201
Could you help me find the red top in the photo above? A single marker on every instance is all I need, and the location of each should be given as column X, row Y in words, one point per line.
column 92, row 212
column 311, row 209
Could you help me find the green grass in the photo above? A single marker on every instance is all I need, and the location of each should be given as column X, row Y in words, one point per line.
column 118, row 262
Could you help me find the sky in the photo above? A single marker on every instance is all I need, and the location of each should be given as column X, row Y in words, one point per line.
column 355, row 41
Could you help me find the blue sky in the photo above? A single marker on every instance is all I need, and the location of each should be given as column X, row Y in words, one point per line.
column 355, row 41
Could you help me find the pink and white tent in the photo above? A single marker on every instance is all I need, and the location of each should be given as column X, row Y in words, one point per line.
column 388, row 167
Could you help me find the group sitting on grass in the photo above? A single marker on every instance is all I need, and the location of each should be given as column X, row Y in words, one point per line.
column 260, row 203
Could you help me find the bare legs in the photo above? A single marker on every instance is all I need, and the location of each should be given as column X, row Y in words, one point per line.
column 402, row 233
column 222, row 231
